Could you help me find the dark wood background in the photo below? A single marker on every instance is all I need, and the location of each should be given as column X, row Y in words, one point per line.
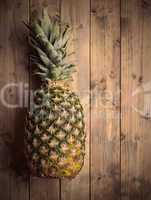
column 112, row 41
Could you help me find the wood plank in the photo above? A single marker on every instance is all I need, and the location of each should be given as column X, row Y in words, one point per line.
column 105, row 99
column 44, row 188
column 136, row 100
column 13, row 75
column 76, row 13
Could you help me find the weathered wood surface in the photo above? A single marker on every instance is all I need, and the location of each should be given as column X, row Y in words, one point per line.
column 105, row 99
column 112, row 44
column 76, row 13
column 13, row 62
column 136, row 100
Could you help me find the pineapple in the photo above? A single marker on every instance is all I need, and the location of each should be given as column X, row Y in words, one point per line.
column 55, row 136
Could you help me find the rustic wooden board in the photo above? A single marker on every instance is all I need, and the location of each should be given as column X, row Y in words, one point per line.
column 110, row 54
column 44, row 188
column 136, row 100
column 76, row 13
column 13, row 63
column 146, row 121
column 105, row 99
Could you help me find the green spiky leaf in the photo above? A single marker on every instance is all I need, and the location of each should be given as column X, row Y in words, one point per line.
column 46, row 22
column 49, row 45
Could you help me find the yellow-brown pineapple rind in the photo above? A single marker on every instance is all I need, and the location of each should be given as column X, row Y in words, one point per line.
column 55, row 137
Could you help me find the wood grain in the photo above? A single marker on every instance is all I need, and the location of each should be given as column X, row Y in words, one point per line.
column 136, row 100
column 13, row 77
column 76, row 13
column 105, row 99
column 112, row 44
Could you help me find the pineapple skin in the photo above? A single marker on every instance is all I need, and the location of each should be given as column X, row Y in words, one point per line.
column 55, row 136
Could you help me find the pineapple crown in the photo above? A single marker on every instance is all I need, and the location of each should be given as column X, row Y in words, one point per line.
column 49, row 47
